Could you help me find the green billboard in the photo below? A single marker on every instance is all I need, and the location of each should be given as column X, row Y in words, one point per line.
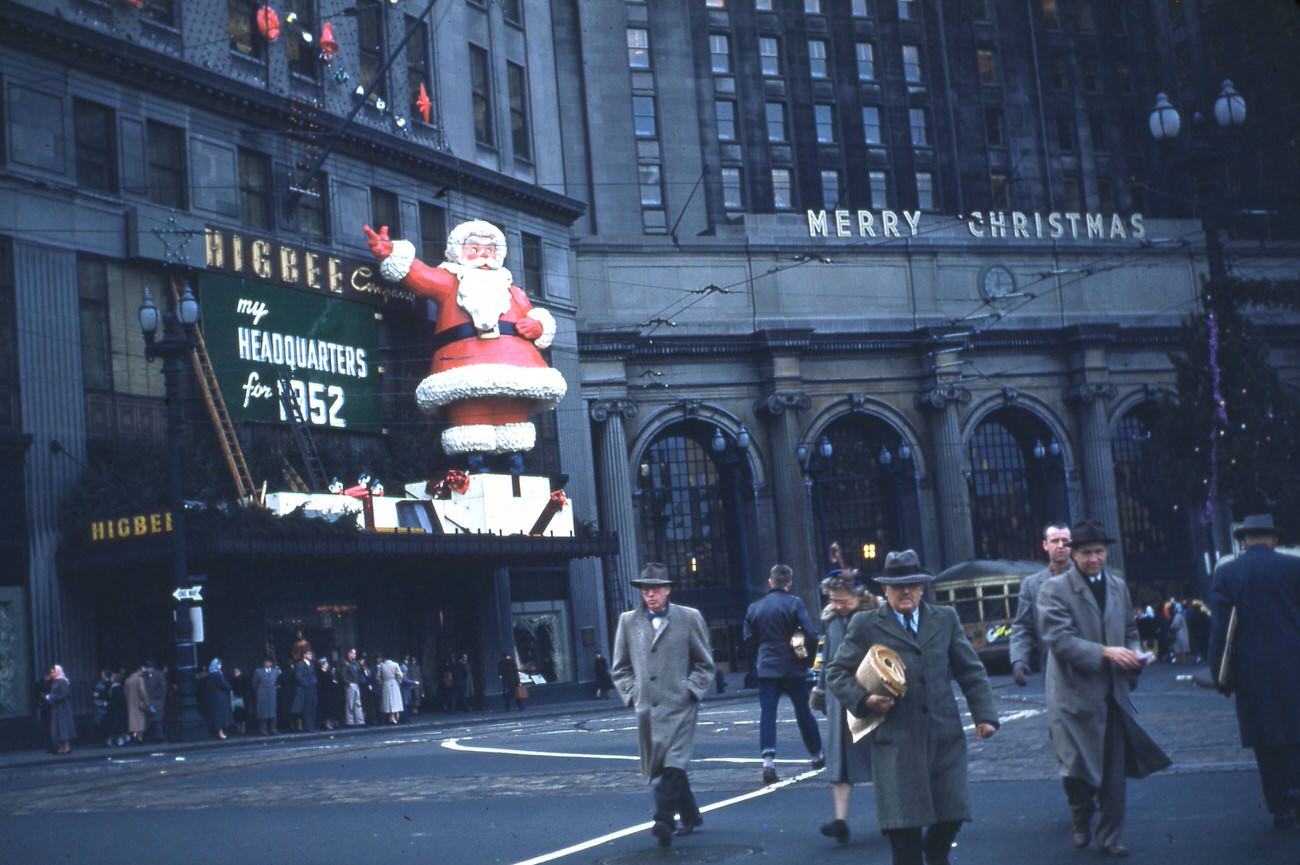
column 254, row 330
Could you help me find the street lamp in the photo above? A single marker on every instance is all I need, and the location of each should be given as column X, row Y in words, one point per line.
column 176, row 344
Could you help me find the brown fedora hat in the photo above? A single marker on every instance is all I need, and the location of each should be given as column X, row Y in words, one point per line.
column 1089, row 532
column 904, row 569
column 1255, row 524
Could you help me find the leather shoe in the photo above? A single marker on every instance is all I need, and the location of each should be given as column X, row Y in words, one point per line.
column 1118, row 851
column 819, row 762
column 837, row 829
column 1080, row 836
column 663, row 833
column 769, row 775
column 689, row 826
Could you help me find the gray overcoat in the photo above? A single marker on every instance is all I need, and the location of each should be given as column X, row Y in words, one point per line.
column 847, row 762
column 1026, row 642
column 1079, row 681
column 918, row 754
column 265, row 684
column 663, row 675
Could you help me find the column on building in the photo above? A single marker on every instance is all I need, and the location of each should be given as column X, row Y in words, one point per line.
column 1091, row 395
column 793, row 511
column 616, row 513
column 952, row 494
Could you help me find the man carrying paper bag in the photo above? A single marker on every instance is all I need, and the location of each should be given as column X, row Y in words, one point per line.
column 918, row 749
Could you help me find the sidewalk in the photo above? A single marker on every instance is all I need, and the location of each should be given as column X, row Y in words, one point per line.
column 95, row 752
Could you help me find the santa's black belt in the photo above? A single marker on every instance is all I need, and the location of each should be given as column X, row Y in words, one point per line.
column 468, row 331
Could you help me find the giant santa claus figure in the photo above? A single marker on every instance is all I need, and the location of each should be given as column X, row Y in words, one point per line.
column 488, row 374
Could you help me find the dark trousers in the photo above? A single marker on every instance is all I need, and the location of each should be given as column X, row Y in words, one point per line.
column 910, row 848
column 673, row 796
column 769, row 695
column 1111, row 794
column 1279, row 771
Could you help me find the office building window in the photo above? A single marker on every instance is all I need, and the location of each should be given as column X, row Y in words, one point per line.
column 1056, row 73
column 96, row 141
column 912, row 64
column 96, row 346
column 313, row 211
column 650, row 178
column 916, row 121
column 1000, row 191
column 480, row 86
column 925, row 190
column 1123, row 78
column 769, row 55
column 433, row 232
column 866, row 54
column 980, row 10
column 879, row 182
column 654, row 221
column 1083, row 17
column 242, row 26
column 830, row 189
column 1105, row 196
column 986, row 61
column 725, row 111
column 1050, row 18
column 1090, row 79
column 824, row 117
column 716, row 4
column 643, row 116
column 812, row 7
column 255, row 189
column 906, row 9
column 638, row 48
column 418, row 67
column 994, row 130
column 817, row 58
column 1065, row 132
column 781, row 193
column 372, row 50
column 1098, row 126
column 383, row 210
column 776, row 121
column 304, row 57
column 166, row 152
column 859, row 9
column 1073, row 194
column 534, row 265
column 512, row 11
column 732, row 196
column 517, row 84
column 871, row 132
column 763, row 5
column 720, row 53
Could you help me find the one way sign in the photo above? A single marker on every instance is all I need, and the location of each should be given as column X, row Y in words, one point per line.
column 188, row 593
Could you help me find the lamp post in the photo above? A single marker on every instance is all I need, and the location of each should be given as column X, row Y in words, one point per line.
column 812, row 461
column 176, row 343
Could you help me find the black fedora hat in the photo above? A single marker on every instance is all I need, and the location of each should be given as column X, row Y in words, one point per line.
column 904, row 569
column 1255, row 524
column 653, row 576
column 1089, row 532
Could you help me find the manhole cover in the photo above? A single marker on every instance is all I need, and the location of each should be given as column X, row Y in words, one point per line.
column 693, row 853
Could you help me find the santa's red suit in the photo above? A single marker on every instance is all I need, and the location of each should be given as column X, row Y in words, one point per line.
column 488, row 374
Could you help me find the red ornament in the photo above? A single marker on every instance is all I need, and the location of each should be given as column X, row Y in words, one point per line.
column 268, row 23
column 329, row 46
column 422, row 103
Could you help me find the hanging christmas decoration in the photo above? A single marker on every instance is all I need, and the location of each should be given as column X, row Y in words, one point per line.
column 268, row 23
column 380, row 104
column 423, row 104
column 329, row 46
column 342, row 76
column 135, row 3
column 1220, row 416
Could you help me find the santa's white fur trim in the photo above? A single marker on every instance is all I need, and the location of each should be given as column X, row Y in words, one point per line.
column 540, row 383
column 547, row 321
column 398, row 264
column 515, row 437
column 479, row 438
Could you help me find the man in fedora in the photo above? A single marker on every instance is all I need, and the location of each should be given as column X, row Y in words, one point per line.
column 662, row 667
column 770, row 622
column 1087, row 625
column 918, row 753
column 1263, row 586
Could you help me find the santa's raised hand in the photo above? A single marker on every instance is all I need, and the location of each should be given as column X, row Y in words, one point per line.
column 380, row 244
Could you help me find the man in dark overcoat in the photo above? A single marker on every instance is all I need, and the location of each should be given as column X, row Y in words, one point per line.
column 770, row 622
column 1263, row 586
column 918, row 752
column 662, row 667
column 1085, row 617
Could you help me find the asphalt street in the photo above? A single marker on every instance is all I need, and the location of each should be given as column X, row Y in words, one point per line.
column 561, row 785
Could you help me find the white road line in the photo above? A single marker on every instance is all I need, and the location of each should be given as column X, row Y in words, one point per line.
column 641, row 827
column 457, row 745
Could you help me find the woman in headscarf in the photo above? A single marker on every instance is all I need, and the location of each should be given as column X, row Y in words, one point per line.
column 216, row 700
column 63, row 728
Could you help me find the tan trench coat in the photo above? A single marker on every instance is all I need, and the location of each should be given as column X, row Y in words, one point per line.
column 1079, row 681
column 663, row 675
column 136, row 694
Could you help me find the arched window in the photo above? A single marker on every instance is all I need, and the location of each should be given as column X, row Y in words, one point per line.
column 863, row 496
column 688, row 507
column 1157, row 543
column 1017, row 485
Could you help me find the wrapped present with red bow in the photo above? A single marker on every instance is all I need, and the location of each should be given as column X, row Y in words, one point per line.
column 554, row 505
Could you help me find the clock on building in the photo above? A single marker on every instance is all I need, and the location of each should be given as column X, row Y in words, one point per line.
column 996, row 283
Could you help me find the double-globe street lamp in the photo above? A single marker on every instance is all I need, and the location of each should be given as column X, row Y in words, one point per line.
column 177, row 343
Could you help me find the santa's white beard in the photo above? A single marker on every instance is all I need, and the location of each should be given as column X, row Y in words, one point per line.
column 483, row 294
